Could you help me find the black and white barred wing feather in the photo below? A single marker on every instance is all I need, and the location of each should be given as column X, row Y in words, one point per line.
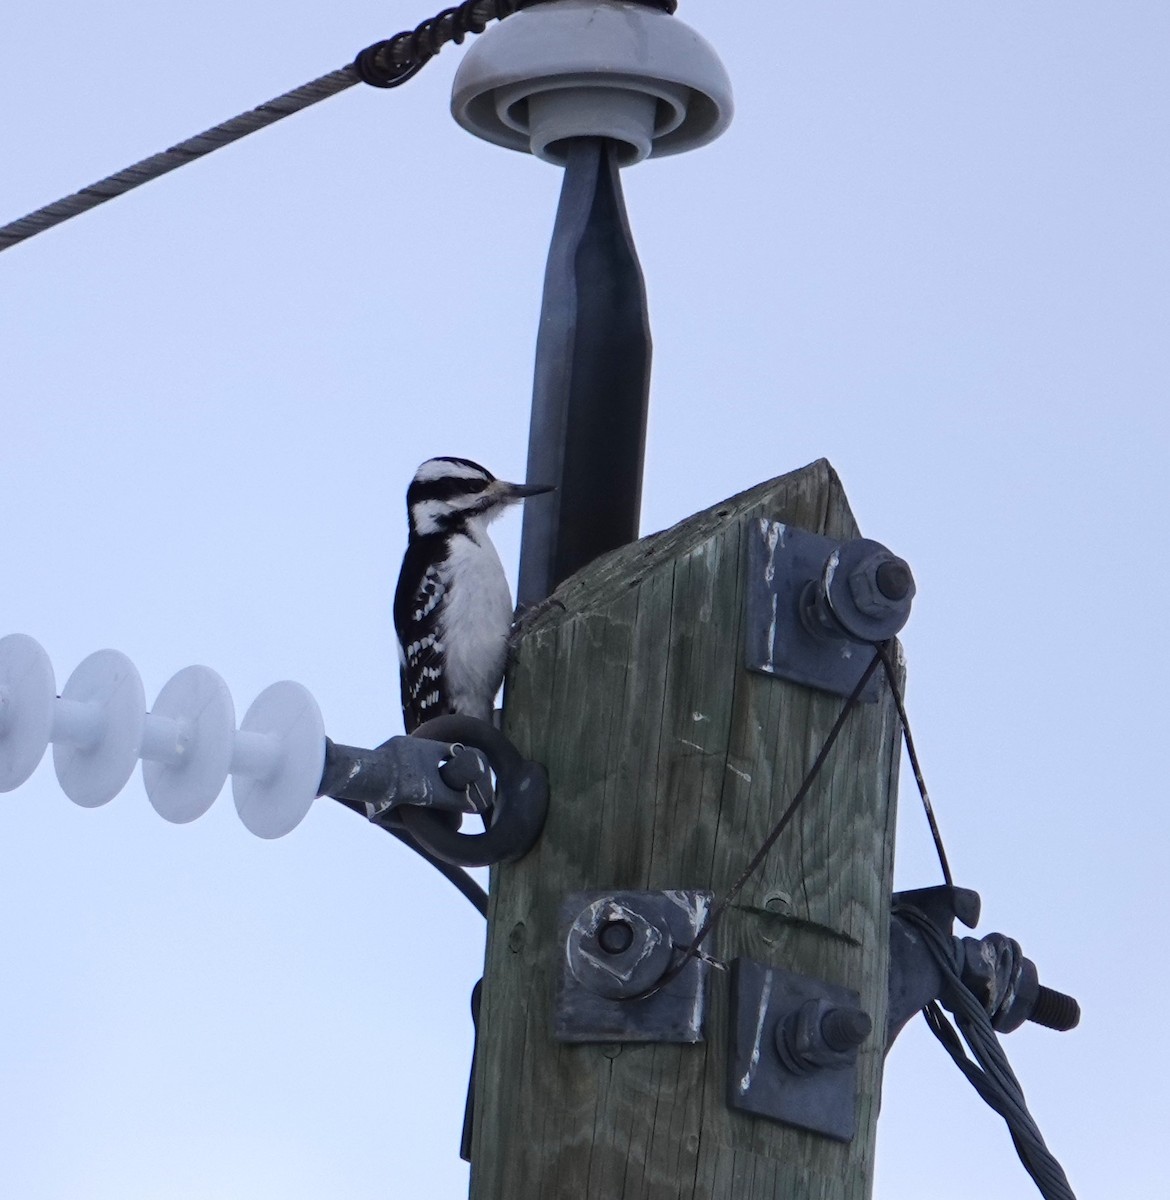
column 417, row 605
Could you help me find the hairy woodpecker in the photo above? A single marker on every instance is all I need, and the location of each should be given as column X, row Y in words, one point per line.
column 452, row 607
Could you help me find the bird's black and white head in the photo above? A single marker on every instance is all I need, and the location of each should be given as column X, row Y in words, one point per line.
column 448, row 493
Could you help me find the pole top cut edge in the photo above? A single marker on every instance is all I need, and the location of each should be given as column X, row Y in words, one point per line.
column 817, row 488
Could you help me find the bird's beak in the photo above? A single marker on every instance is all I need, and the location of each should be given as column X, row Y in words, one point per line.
column 512, row 492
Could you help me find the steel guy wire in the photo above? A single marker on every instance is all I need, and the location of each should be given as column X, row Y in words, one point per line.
column 385, row 64
column 990, row 1073
column 883, row 650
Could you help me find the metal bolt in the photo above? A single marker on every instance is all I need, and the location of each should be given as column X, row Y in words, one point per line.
column 820, row 1034
column 464, row 767
column 894, row 580
column 615, row 950
column 845, row 1028
column 1008, row 986
column 1055, row 1010
column 615, row 937
column 880, row 585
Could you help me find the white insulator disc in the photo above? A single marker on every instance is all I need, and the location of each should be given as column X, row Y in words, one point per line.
column 199, row 702
column 587, row 68
column 93, row 775
column 276, row 801
column 27, row 695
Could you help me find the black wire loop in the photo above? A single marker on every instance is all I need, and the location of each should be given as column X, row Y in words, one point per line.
column 374, row 66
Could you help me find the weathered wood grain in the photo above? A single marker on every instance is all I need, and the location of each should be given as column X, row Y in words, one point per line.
column 668, row 764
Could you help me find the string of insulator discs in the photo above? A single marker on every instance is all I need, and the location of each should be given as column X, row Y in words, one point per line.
column 188, row 743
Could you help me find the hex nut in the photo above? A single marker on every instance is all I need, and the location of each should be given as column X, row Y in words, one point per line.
column 866, row 585
column 615, row 951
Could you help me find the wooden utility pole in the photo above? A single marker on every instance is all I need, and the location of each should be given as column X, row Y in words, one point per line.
column 668, row 764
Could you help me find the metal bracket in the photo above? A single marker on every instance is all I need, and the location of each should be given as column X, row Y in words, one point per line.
column 813, row 602
column 993, row 968
column 422, row 783
column 403, row 770
column 794, row 1044
column 915, row 979
column 617, row 946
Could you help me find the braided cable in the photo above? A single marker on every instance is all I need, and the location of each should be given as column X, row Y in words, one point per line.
column 392, row 62
column 990, row 1073
column 177, row 156
column 385, row 64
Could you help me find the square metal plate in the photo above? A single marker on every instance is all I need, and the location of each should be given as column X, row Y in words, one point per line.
column 822, row 1100
column 674, row 1014
column 782, row 561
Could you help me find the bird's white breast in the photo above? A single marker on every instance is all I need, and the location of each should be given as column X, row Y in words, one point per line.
column 477, row 617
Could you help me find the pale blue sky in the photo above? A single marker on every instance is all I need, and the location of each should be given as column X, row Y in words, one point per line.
column 933, row 247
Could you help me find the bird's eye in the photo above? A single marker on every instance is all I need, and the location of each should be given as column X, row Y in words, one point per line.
column 445, row 489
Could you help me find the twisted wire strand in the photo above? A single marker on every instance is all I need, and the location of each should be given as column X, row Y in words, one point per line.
column 915, row 765
column 177, row 156
column 384, row 64
column 392, row 62
column 990, row 1073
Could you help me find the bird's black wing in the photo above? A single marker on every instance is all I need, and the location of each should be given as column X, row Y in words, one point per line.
column 417, row 602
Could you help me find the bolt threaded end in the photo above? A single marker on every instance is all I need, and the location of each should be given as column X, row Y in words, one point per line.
column 845, row 1028
column 1055, row 1010
column 894, row 580
column 616, row 937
